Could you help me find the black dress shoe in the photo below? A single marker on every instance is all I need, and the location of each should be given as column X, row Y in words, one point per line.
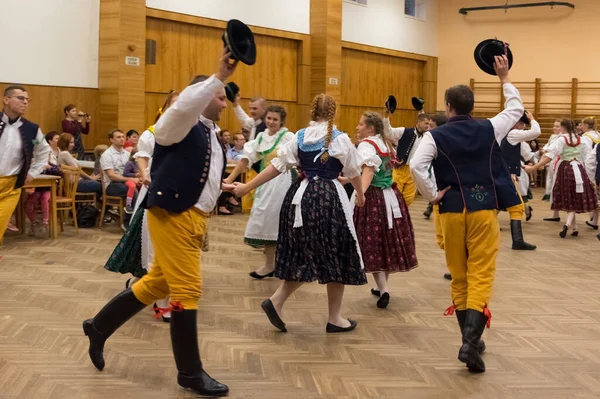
column 575, row 233
column 593, row 226
column 383, row 301
column 332, row 328
column 528, row 213
column 269, row 309
column 551, row 219
column 563, row 232
column 447, row 276
column 259, row 277
column 375, row 292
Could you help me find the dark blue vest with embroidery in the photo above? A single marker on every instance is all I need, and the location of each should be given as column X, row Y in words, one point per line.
column 180, row 171
column 310, row 158
column 28, row 132
column 512, row 156
column 405, row 145
column 469, row 160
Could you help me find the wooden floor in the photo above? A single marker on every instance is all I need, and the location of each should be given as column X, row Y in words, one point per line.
column 544, row 341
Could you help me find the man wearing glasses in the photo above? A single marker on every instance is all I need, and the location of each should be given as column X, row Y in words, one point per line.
column 23, row 151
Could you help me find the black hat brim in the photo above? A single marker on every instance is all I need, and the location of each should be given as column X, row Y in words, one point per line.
column 391, row 104
column 485, row 52
column 417, row 103
column 231, row 90
column 239, row 39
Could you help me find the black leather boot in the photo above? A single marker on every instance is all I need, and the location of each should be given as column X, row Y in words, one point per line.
column 517, row 237
column 112, row 316
column 184, row 338
column 472, row 330
column 460, row 316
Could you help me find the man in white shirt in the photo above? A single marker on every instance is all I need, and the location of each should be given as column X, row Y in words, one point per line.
column 253, row 123
column 511, row 152
column 23, row 151
column 472, row 184
column 188, row 165
column 408, row 142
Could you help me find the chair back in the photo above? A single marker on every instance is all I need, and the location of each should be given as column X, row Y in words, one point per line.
column 68, row 184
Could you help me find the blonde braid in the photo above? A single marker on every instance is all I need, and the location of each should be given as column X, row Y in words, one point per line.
column 314, row 111
column 329, row 105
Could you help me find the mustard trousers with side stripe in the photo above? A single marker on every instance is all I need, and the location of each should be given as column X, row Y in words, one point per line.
column 439, row 233
column 9, row 198
column 403, row 179
column 177, row 240
column 516, row 212
column 471, row 241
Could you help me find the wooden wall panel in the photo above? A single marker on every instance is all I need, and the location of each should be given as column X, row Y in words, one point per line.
column 185, row 50
column 46, row 108
column 368, row 78
column 326, row 46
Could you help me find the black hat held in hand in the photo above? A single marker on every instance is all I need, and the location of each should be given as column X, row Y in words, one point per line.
column 391, row 104
column 231, row 90
column 487, row 50
column 417, row 103
column 238, row 38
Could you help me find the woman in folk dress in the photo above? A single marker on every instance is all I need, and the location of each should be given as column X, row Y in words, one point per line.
column 134, row 252
column 317, row 240
column 383, row 225
column 573, row 192
column 263, row 226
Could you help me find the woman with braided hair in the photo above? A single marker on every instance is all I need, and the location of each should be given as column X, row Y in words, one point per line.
column 383, row 225
column 317, row 240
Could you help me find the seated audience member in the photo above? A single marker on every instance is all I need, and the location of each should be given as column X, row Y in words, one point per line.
column 225, row 138
column 87, row 183
column 52, row 139
column 77, row 123
column 234, row 154
column 131, row 140
column 113, row 162
column 131, row 170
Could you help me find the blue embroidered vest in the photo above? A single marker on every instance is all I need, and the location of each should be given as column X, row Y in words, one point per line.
column 310, row 158
column 180, row 171
column 28, row 132
column 512, row 156
column 469, row 160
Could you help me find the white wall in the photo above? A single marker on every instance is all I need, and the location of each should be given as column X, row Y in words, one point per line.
column 382, row 23
column 50, row 42
column 288, row 15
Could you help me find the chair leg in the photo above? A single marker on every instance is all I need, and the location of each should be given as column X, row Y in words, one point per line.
column 101, row 221
column 74, row 212
column 62, row 221
column 121, row 213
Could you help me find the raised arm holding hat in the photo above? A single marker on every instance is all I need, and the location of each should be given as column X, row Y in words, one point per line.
column 471, row 184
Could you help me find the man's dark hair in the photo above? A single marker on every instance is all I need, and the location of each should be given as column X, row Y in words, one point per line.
column 439, row 119
column 461, row 99
column 198, row 79
column 9, row 90
column 524, row 118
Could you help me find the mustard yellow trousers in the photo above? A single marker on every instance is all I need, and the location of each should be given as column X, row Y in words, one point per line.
column 403, row 179
column 516, row 212
column 177, row 240
column 9, row 198
column 470, row 241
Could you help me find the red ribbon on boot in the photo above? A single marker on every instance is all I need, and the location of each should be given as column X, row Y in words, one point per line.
column 450, row 310
column 487, row 312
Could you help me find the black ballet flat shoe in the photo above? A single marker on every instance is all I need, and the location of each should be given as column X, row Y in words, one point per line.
column 375, row 292
column 269, row 309
column 551, row 219
column 575, row 233
column 598, row 236
column 563, row 233
column 528, row 213
column 332, row 328
column 259, row 277
column 383, row 301
column 448, row 276
column 593, row 226
column 127, row 282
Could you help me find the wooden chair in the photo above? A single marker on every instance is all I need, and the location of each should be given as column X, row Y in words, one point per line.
column 112, row 201
column 65, row 200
